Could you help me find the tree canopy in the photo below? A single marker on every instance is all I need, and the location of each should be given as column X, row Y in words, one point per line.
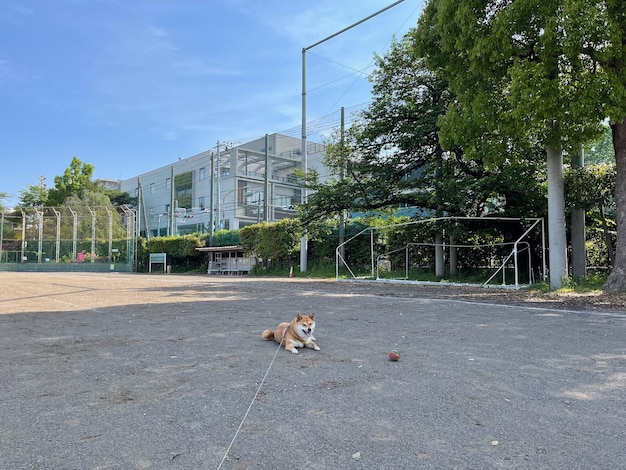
column 75, row 182
column 391, row 155
column 524, row 73
column 75, row 179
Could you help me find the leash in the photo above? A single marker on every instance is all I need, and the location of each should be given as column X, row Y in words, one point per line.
column 253, row 400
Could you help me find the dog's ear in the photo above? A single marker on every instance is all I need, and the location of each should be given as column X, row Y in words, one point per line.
column 311, row 315
column 298, row 317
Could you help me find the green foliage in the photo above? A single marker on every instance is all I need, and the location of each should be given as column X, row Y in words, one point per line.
column 276, row 243
column 88, row 204
column 591, row 187
column 75, row 179
column 519, row 72
column 390, row 154
column 223, row 238
column 118, row 198
column 34, row 196
column 392, row 157
column 601, row 150
column 177, row 246
column 181, row 251
column 323, row 240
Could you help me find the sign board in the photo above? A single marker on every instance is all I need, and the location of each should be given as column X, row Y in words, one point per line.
column 157, row 258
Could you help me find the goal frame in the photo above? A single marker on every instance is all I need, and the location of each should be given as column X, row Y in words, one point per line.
column 535, row 222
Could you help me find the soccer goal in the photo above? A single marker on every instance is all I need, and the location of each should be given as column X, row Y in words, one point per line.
column 484, row 251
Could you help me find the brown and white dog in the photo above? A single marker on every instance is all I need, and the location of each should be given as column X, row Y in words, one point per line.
column 296, row 334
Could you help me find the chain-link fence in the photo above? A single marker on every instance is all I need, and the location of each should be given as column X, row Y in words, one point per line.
column 68, row 239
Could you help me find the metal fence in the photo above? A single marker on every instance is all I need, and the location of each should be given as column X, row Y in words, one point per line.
column 68, row 238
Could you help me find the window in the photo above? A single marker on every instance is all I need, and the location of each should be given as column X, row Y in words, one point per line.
column 201, row 203
column 183, row 188
column 152, row 188
column 168, row 184
column 202, row 174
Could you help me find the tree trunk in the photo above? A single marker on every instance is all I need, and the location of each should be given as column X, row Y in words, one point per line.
column 577, row 223
column 617, row 279
column 454, row 257
column 440, row 267
column 557, row 241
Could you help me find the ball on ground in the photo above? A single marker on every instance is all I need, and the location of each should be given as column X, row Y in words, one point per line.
column 394, row 356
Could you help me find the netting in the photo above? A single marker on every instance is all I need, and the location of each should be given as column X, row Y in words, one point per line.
column 486, row 251
column 68, row 238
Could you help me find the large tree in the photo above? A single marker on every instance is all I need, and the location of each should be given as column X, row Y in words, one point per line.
column 521, row 78
column 391, row 155
column 76, row 179
column 93, row 204
column 34, row 196
column 607, row 30
column 592, row 189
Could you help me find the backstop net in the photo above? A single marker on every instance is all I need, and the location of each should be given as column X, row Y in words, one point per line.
column 68, row 239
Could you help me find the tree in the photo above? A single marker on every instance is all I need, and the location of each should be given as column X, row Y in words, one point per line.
column 34, row 196
column 592, row 188
column 75, row 180
column 601, row 151
column 610, row 52
column 3, row 196
column 117, row 197
column 389, row 155
column 94, row 203
column 520, row 77
column 392, row 156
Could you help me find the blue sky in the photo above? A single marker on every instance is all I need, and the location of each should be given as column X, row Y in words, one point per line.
column 132, row 85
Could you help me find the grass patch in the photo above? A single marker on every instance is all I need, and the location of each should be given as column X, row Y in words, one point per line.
column 590, row 284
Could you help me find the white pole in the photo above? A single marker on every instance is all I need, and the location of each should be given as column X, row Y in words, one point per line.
column 303, row 241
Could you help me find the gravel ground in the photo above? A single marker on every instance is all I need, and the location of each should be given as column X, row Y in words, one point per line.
column 587, row 301
column 129, row 371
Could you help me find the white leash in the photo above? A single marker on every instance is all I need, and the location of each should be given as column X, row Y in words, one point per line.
column 252, row 402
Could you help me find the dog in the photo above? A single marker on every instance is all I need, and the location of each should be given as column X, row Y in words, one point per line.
column 296, row 334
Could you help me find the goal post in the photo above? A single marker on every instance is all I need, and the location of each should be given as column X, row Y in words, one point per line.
column 472, row 250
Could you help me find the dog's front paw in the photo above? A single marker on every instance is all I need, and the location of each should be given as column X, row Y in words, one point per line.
column 317, row 348
column 294, row 351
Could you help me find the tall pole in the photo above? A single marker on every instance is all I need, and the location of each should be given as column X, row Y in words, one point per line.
column 266, row 183
column 342, row 174
column 303, row 241
column 170, row 223
column 219, row 187
column 212, row 201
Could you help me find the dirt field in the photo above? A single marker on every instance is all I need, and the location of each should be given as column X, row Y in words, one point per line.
column 129, row 371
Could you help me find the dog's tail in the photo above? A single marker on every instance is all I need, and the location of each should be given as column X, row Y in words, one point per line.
column 268, row 335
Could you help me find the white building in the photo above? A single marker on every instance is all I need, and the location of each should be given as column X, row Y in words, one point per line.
column 226, row 187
